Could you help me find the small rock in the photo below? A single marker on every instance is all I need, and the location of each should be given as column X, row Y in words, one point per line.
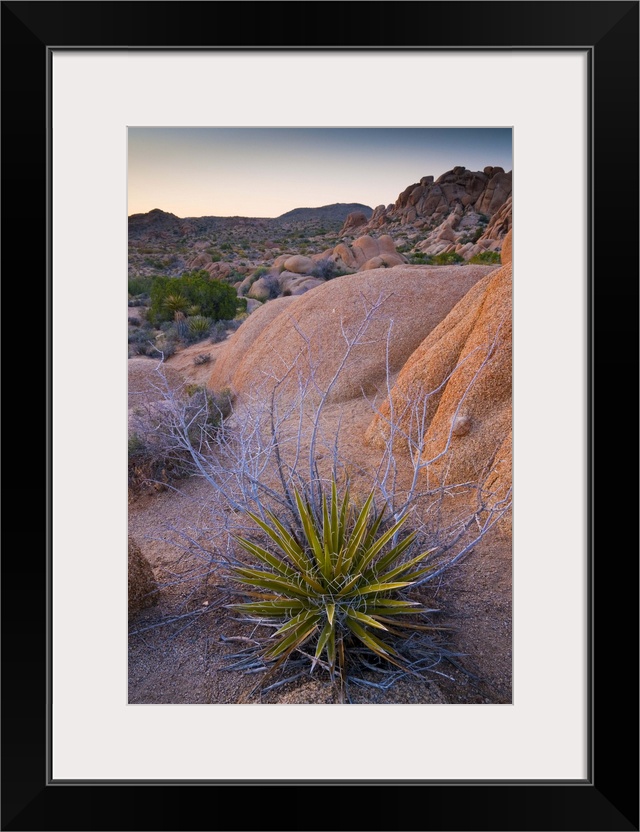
column 461, row 425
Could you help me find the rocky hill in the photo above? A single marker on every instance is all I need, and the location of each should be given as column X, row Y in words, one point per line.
column 430, row 200
column 337, row 212
column 162, row 243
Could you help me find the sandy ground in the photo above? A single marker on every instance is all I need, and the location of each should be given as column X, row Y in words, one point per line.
column 179, row 648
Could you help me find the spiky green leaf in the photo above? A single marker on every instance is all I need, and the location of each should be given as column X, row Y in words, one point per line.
column 372, row 642
column 357, row 535
column 291, row 642
column 380, row 587
column 405, row 567
column 371, row 553
column 267, row 580
column 271, row 609
column 330, row 609
column 323, row 639
column 308, row 524
column 266, row 557
column 363, row 618
column 392, row 555
column 335, row 528
column 311, row 616
column 285, row 541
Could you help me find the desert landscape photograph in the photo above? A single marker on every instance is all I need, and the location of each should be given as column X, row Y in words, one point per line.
column 319, row 353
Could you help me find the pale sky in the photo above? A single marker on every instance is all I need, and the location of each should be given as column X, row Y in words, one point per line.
column 264, row 172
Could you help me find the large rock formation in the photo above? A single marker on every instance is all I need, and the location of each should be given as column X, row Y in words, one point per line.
column 367, row 253
column 242, row 341
column 453, row 395
column 356, row 219
column 291, row 342
column 430, row 202
column 498, row 227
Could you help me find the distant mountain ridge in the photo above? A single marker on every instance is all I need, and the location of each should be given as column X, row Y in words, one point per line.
column 336, row 211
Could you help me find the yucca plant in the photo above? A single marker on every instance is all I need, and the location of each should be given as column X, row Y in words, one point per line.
column 334, row 586
column 199, row 326
column 175, row 302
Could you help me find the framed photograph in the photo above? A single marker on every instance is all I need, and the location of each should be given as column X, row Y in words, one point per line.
column 563, row 77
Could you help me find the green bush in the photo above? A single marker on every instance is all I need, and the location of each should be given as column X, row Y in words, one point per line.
column 216, row 299
column 335, row 587
column 447, row 258
column 419, row 258
column 140, row 285
column 485, row 257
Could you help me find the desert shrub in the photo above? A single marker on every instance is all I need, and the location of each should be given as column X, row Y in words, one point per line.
column 180, row 329
column 485, row 257
column 477, row 234
column 147, row 469
column 156, row 457
column 205, row 410
column 166, row 349
column 234, row 276
column 202, row 358
column 447, row 258
column 215, row 298
column 220, row 329
column 325, row 269
column 143, row 348
column 218, row 332
column 140, row 335
column 140, row 285
column 259, row 272
column 142, row 341
column 156, row 263
column 419, row 258
column 198, row 327
column 335, row 586
column 272, row 284
column 133, row 321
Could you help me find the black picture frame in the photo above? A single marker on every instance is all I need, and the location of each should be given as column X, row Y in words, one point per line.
column 608, row 798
